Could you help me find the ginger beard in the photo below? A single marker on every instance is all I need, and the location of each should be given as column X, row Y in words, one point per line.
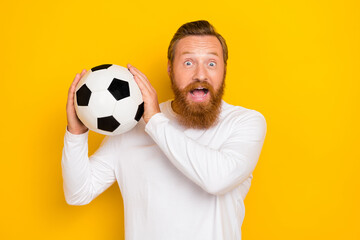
column 200, row 115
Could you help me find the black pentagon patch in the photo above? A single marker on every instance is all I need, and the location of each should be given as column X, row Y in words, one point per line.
column 139, row 112
column 108, row 124
column 119, row 89
column 100, row 67
column 83, row 96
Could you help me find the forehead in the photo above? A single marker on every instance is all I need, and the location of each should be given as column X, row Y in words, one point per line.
column 198, row 45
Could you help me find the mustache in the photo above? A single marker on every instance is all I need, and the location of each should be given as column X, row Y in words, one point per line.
column 199, row 84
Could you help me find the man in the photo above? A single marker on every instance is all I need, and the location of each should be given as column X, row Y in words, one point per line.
column 184, row 170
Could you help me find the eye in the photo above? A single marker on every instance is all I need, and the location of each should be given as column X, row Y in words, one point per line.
column 188, row 63
column 212, row 64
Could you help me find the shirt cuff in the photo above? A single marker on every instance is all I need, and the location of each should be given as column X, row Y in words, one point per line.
column 155, row 121
column 76, row 137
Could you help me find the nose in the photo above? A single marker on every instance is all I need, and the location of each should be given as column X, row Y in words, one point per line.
column 200, row 73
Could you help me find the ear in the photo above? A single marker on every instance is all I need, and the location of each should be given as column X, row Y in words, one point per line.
column 169, row 68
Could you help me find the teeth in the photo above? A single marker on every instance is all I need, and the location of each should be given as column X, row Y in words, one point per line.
column 194, row 95
column 200, row 88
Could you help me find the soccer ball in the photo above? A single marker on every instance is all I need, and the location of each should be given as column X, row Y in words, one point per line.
column 108, row 100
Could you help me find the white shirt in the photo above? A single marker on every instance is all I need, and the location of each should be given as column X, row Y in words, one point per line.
column 176, row 183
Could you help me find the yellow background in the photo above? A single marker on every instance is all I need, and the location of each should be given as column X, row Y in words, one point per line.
column 297, row 62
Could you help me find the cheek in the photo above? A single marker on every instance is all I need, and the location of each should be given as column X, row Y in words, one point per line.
column 217, row 78
column 182, row 79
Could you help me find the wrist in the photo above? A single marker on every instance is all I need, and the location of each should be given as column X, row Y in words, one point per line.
column 76, row 131
column 147, row 118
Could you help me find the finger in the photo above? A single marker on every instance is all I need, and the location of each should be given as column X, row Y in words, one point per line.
column 77, row 76
column 141, row 77
column 139, row 72
column 134, row 70
column 73, row 86
column 143, row 86
column 75, row 81
column 83, row 73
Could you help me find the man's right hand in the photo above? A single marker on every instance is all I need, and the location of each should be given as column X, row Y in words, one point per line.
column 74, row 125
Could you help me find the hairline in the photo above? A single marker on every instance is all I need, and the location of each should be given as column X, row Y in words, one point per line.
column 196, row 35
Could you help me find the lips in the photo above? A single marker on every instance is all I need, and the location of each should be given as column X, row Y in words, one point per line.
column 199, row 94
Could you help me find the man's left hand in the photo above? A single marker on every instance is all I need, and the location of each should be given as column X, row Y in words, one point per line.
column 149, row 95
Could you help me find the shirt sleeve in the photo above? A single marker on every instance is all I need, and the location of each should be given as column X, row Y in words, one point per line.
column 216, row 171
column 85, row 178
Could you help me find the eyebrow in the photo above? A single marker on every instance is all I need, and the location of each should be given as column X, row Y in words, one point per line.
column 211, row 53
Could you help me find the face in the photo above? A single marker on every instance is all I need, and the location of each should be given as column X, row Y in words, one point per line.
column 197, row 76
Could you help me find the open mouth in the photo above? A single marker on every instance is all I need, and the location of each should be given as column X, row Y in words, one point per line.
column 199, row 94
